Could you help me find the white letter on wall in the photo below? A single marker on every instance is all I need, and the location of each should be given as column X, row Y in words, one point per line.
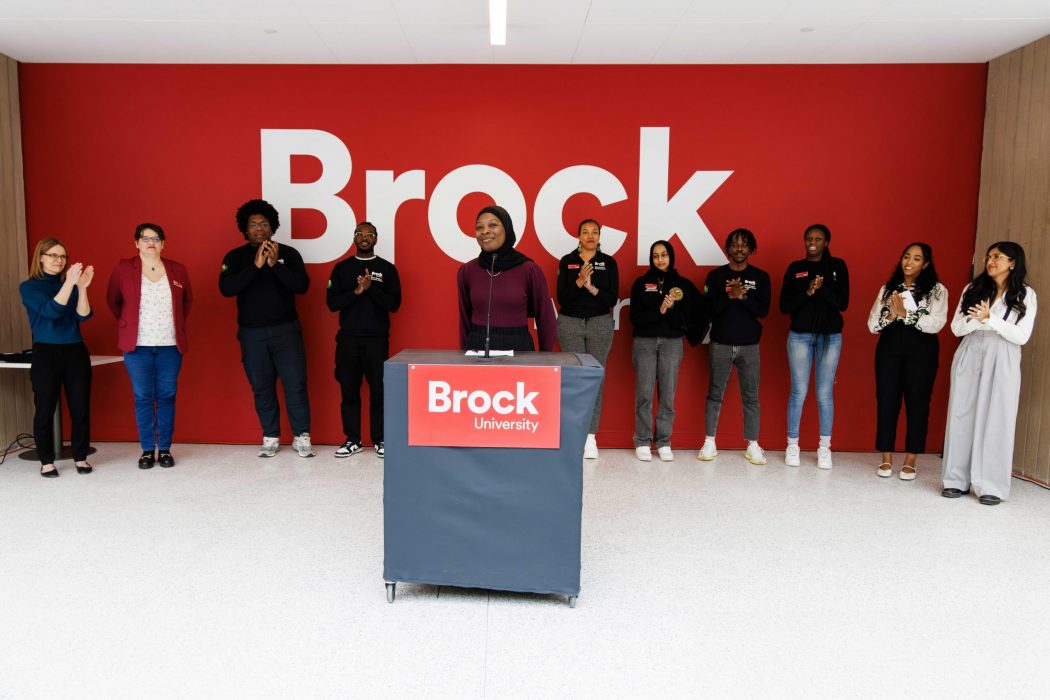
column 277, row 146
column 660, row 217
column 450, row 191
column 562, row 185
column 383, row 195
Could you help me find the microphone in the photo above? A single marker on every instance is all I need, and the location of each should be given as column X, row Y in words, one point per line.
column 488, row 313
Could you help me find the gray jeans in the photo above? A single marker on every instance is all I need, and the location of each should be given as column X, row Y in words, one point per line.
column 592, row 336
column 656, row 363
column 721, row 359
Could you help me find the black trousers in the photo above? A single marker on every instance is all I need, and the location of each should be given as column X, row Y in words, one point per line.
column 906, row 362
column 54, row 367
column 357, row 357
column 270, row 353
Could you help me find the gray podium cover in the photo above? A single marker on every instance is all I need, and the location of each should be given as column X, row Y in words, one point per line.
column 499, row 518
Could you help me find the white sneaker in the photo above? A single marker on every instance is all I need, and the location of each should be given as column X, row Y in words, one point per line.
column 665, row 453
column 590, row 448
column 380, row 450
column 755, row 454
column 792, row 456
column 824, row 458
column 643, row 453
column 269, row 447
column 708, row 451
column 348, row 448
column 301, row 444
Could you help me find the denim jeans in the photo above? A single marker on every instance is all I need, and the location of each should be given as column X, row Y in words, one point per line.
column 721, row 359
column 154, row 373
column 656, row 363
column 806, row 350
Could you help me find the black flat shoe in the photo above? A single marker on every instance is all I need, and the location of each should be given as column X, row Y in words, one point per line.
column 146, row 461
column 165, row 459
column 49, row 474
column 86, row 469
column 990, row 500
column 954, row 493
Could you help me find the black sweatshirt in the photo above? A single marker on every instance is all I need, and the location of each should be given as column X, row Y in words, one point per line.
column 265, row 295
column 647, row 293
column 366, row 314
column 577, row 301
column 822, row 312
column 735, row 321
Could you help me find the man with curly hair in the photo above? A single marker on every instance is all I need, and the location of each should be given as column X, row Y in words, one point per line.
column 265, row 276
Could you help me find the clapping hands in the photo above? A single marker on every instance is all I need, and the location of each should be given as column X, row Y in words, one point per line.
column 979, row 312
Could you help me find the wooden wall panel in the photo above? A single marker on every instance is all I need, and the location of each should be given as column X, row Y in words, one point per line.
column 16, row 406
column 1015, row 205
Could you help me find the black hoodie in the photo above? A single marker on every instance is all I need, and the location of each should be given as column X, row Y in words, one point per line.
column 647, row 294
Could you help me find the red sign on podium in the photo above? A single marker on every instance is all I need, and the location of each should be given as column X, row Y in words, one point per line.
column 484, row 406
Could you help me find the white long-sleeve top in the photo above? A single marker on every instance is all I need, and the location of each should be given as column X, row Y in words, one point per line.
column 930, row 317
column 1009, row 328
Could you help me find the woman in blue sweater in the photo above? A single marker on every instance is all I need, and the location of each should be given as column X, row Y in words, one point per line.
column 56, row 299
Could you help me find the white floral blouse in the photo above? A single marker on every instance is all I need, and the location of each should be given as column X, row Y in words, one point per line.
column 156, row 318
column 929, row 317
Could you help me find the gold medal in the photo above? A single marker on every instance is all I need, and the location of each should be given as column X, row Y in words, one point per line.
column 676, row 293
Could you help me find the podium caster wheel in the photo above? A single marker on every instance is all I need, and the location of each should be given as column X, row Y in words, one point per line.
column 572, row 601
column 390, row 587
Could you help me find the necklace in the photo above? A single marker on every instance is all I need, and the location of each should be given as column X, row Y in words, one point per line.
column 494, row 276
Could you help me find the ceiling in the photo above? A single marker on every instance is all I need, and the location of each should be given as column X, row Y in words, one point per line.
column 539, row 31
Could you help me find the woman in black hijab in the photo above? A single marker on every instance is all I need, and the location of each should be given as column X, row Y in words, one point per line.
column 518, row 291
column 664, row 307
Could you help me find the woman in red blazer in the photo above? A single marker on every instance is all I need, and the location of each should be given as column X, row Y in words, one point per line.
column 151, row 298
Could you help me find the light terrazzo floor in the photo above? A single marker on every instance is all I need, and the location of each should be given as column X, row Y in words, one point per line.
column 232, row 576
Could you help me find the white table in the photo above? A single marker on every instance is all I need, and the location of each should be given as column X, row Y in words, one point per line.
column 61, row 452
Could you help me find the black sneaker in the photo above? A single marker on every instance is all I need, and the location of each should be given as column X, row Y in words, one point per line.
column 165, row 459
column 348, row 448
column 147, row 460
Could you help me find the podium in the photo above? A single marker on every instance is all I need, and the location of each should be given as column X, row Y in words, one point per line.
column 502, row 518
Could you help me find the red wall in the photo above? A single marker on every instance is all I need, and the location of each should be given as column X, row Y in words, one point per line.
column 881, row 154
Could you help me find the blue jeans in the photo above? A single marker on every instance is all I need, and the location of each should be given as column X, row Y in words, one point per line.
column 154, row 373
column 804, row 351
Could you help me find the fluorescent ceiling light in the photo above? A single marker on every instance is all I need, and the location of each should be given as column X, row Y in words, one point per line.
column 498, row 22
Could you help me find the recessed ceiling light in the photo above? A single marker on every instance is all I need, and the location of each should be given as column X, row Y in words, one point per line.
column 806, row 30
column 498, row 22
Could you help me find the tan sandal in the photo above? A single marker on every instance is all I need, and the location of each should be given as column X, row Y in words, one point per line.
column 885, row 470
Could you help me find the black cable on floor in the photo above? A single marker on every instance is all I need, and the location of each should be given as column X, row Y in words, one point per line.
column 24, row 441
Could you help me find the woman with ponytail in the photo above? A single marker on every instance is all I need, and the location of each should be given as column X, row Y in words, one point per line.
column 994, row 318
column 588, row 287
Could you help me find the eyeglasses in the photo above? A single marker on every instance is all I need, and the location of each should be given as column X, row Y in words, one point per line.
column 55, row 256
column 997, row 257
column 364, row 234
column 150, row 239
